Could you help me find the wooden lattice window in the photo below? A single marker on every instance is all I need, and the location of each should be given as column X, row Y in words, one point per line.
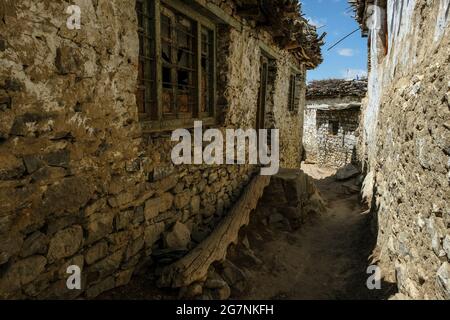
column 180, row 62
column 146, row 90
column 178, row 65
column 294, row 92
column 207, row 75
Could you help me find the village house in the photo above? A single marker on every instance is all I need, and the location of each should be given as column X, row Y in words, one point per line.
column 86, row 117
column 332, row 113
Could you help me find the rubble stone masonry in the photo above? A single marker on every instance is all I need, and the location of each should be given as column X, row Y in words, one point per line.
column 330, row 135
column 80, row 182
column 405, row 146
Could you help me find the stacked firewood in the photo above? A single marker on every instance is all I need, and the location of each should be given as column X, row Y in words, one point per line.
column 291, row 30
column 359, row 8
column 334, row 88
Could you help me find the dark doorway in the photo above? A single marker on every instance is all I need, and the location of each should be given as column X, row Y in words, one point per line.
column 262, row 94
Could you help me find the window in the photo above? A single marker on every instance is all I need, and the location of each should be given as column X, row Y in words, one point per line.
column 294, row 92
column 178, row 70
column 146, row 93
column 176, row 82
column 333, row 127
column 207, row 67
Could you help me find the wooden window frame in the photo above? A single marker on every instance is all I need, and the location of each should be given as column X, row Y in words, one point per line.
column 294, row 91
column 155, row 120
column 262, row 92
column 145, row 90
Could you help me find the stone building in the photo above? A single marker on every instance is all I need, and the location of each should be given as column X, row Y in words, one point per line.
column 331, row 121
column 405, row 141
column 86, row 116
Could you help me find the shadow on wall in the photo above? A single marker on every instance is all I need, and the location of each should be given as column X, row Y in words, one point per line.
column 388, row 289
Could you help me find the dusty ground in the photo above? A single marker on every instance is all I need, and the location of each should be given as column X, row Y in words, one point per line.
column 326, row 258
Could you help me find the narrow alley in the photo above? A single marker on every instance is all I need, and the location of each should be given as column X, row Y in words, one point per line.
column 225, row 150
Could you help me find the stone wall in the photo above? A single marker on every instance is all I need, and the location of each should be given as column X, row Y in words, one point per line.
column 325, row 145
column 80, row 183
column 405, row 146
column 292, row 134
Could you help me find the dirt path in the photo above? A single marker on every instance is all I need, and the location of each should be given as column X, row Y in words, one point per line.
column 326, row 258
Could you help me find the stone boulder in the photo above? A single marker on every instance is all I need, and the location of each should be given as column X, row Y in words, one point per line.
column 21, row 273
column 12, row 167
column 178, row 237
column 65, row 243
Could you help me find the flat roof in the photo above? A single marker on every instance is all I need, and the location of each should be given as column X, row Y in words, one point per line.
column 335, row 107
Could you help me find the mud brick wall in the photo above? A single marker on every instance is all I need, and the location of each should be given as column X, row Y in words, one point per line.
column 405, row 146
column 80, row 183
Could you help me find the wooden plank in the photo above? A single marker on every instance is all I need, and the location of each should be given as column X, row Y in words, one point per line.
column 194, row 266
column 148, row 126
column 216, row 13
column 187, row 10
column 269, row 51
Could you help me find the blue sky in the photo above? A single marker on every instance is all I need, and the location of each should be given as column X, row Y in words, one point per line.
column 347, row 59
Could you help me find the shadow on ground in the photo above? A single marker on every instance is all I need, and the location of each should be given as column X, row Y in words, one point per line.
column 325, row 258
